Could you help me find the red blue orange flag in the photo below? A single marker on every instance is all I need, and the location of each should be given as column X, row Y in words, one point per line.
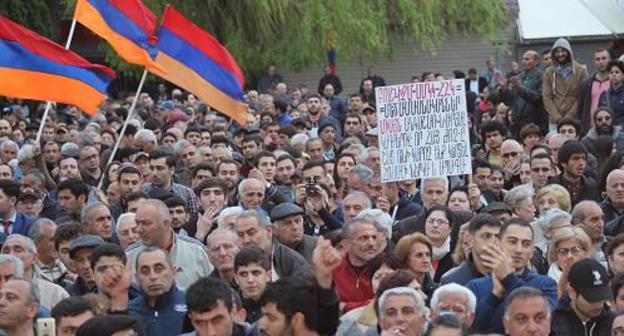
column 33, row 67
column 127, row 25
column 197, row 62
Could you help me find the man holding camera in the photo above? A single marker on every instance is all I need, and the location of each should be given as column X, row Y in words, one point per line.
column 313, row 196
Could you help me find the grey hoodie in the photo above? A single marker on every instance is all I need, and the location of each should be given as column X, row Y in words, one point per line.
column 566, row 70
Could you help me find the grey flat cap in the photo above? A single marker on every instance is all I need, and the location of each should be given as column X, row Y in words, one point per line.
column 84, row 241
column 285, row 210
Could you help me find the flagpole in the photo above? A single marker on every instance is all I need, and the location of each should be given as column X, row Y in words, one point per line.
column 70, row 36
column 125, row 125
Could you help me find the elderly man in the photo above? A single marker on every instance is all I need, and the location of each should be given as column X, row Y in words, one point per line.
column 528, row 105
column 613, row 205
column 19, row 304
column 24, row 248
column 360, row 179
column 222, row 248
column 527, row 313
column 588, row 216
column 434, row 192
column 90, row 165
column 512, row 154
column 353, row 278
column 354, row 203
column 156, row 277
column 287, row 221
column 455, row 299
column 154, row 228
column 393, row 307
column 96, row 219
column 256, row 193
column 48, row 265
column 253, row 227
column 126, row 229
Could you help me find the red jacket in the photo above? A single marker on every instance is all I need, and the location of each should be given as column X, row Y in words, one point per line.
column 354, row 286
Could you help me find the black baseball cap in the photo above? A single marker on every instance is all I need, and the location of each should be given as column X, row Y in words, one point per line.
column 590, row 280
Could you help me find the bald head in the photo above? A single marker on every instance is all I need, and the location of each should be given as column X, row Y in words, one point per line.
column 615, row 188
column 512, row 153
column 530, row 60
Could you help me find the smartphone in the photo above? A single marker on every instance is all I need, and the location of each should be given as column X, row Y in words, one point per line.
column 46, row 327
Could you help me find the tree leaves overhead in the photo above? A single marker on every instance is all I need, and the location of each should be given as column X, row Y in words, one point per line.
column 296, row 33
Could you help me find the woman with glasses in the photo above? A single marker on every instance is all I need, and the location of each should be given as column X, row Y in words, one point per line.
column 569, row 245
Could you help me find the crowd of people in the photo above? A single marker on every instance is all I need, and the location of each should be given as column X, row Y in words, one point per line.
column 283, row 226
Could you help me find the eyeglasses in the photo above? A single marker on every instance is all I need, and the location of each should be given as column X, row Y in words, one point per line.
column 605, row 118
column 252, row 194
column 510, row 154
column 540, row 169
column 564, row 251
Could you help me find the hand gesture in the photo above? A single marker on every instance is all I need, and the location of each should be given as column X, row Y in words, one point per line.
column 325, row 259
column 116, row 282
column 257, row 174
column 383, row 204
column 204, row 222
column 474, row 196
column 497, row 259
column 300, row 194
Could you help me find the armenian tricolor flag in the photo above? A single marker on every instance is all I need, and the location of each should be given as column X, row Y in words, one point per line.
column 127, row 25
column 33, row 67
column 197, row 62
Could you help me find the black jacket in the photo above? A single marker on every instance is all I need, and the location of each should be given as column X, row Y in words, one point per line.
column 589, row 189
column 566, row 322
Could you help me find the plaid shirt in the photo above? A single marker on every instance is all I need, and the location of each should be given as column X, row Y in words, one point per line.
column 182, row 191
column 50, row 273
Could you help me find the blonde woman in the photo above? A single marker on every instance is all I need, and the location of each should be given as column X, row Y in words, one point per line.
column 553, row 196
column 569, row 245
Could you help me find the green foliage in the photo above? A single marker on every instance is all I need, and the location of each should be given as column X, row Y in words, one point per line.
column 296, row 33
column 34, row 14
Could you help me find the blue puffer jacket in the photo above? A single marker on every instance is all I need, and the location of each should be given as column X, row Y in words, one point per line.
column 490, row 309
column 167, row 316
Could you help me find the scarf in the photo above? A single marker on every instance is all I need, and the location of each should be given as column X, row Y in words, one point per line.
column 440, row 252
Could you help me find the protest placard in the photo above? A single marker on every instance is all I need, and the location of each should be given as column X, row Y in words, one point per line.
column 423, row 130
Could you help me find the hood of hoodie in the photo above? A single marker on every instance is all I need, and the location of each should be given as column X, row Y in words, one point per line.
column 565, row 44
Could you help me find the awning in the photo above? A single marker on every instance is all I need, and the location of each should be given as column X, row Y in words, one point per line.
column 539, row 19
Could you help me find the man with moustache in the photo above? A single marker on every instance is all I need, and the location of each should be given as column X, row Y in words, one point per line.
column 603, row 125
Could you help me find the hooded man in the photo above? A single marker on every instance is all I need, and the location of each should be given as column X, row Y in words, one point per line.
column 561, row 81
